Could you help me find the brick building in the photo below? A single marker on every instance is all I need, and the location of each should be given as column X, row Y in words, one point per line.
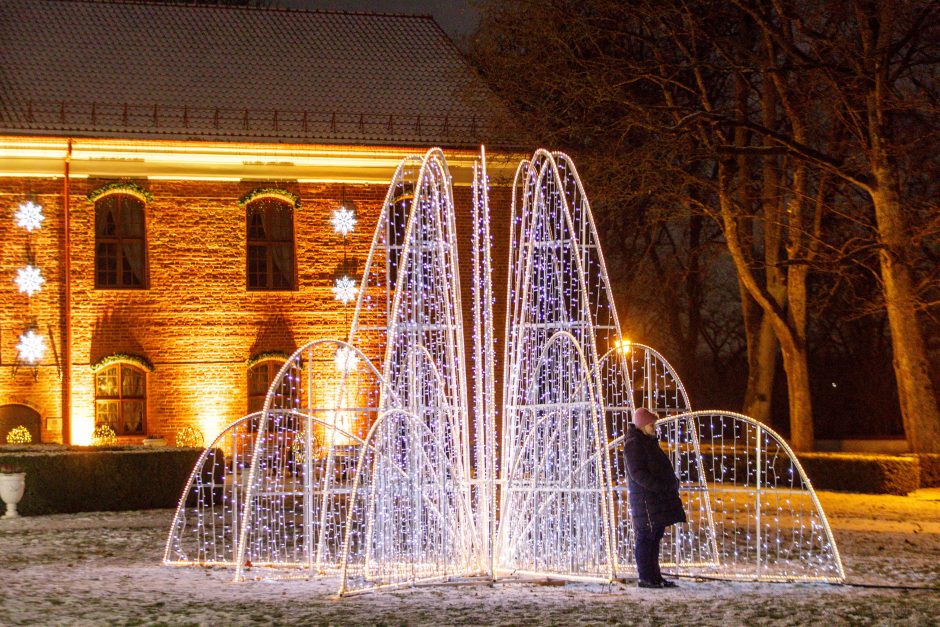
column 186, row 161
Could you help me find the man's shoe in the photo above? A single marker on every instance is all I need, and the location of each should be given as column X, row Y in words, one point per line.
column 642, row 583
column 665, row 583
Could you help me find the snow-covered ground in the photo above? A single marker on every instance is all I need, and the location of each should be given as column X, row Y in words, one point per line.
column 105, row 567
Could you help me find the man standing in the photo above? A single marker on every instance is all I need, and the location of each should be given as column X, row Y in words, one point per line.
column 654, row 496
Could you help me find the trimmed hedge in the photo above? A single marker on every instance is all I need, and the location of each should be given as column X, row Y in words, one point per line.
column 854, row 472
column 83, row 479
column 929, row 469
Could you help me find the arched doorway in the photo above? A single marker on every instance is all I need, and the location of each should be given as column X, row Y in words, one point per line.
column 14, row 415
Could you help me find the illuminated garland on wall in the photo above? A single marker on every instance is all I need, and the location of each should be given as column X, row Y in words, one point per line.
column 266, row 356
column 121, row 187
column 123, row 358
column 270, row 192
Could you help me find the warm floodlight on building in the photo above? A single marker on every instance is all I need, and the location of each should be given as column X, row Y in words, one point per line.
column 31, row 347
column 29, row 216
column 29, row 280
column 344, row 220
column 345, row 289
column 623, row 345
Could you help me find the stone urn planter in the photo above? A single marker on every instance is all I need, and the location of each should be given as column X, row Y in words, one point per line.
column 12, row 485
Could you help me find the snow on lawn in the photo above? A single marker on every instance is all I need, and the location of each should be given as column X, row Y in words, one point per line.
column 105, row 567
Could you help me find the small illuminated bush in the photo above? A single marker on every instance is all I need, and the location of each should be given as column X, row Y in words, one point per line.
column 189, row 436
column 19, row 435
column 103, row 435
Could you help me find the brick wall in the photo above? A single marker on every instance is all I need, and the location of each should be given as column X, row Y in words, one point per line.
column 197, row 323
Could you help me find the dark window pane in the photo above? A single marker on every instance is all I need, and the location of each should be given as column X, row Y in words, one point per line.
column 132, row 218
column 106, row 264
column 283, row 262
column 120, row 250
column 260, row 377
column 256, row 229
column 270, row 242
column 281, row 224
column 133, row 267
column 106, row 217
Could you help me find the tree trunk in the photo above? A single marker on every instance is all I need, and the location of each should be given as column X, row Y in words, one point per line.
column 796, row 366
column 919, row 410
column 762, row 370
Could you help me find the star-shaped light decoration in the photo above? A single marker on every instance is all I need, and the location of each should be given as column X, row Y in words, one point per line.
column 32, row 346
column 346, row 359
column 29, row 279
column 345, row 289
column 29, row 216
column 344, row 220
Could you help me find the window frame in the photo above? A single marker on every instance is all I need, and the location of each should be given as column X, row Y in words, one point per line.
column 277, row 363
column 117, row 241
column 268, row 204
column 121, row 398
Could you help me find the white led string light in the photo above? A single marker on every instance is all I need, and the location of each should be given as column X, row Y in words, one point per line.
column 364, row 473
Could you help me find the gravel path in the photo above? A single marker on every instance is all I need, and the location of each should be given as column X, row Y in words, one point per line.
column 104, row 568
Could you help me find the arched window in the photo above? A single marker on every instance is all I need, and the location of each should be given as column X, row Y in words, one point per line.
column 121, row 399
column 270, row 240
column 120, row 242
column 260, row 376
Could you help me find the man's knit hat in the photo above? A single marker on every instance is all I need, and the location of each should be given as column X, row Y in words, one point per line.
column 643, row 417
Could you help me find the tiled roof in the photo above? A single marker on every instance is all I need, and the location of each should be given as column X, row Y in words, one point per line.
column 184, row 71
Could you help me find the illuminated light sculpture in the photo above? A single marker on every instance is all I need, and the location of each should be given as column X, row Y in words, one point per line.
column 29, row 280
column 359, row 465
column 31, row 347
column 387, row 500
column 29, row 216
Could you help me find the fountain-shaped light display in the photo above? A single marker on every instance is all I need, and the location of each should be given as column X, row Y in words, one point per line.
column 359, row 466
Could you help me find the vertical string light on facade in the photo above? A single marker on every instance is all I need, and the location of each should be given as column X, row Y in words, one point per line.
column 29, row 280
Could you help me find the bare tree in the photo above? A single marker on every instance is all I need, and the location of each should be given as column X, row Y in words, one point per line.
column 755, row 114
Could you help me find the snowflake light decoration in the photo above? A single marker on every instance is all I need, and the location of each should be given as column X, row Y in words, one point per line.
column 32, row 346
column 345, row 289
column 29, row 279
column 346, row 359
column 344, row 221
column 29, row 216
